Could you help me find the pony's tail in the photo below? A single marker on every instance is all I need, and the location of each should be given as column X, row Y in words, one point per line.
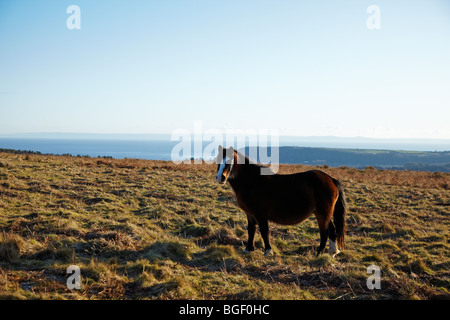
column 339, row 215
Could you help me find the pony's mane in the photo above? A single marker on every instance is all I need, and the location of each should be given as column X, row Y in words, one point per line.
column 247, row 160
column 250, row 165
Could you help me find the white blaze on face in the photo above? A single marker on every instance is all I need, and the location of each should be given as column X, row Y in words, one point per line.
column 221, row 168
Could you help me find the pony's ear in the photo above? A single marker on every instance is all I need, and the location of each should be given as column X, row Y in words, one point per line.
column 220, row 148
column 229, row 152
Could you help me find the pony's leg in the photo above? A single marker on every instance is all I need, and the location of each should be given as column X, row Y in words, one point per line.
column 332, row 246
column 324, row 232
column 323, row 215
column 251, row 228
column 264, row 229
column 323, row 221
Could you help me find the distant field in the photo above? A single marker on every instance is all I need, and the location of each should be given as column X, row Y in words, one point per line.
column 143, row 229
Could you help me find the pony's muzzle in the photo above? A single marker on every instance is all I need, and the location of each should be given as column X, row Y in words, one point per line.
column 221, row 179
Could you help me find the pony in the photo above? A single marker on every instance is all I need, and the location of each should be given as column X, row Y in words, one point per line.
column 286, row 199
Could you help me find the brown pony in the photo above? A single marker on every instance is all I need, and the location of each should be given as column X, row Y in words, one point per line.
column 285, row 199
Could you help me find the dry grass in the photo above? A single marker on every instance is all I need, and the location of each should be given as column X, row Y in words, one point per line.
column 154, row 230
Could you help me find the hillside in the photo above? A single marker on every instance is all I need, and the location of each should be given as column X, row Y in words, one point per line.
column 153, row 230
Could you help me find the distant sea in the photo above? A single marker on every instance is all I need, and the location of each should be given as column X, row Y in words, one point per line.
column 119, row 149
column 161, row 148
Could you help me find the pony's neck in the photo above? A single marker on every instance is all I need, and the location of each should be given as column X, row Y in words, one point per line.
column 244, row 172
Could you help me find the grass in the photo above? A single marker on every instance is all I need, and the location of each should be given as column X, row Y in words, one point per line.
column 154, row 230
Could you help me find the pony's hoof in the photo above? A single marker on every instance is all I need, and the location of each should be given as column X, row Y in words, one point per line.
column 268, row 252
column 246, row 251
column 334, row 254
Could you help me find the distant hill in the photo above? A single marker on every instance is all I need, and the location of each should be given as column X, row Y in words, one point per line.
column 432, row 161
column 361, row 158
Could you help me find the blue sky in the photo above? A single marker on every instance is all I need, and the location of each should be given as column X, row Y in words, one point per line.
column 307, row 68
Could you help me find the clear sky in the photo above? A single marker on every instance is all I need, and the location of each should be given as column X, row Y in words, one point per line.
column 308, row 68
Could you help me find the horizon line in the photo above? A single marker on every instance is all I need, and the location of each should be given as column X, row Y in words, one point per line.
column 169, row 134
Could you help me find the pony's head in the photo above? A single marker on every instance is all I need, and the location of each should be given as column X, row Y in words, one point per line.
column 225, row 162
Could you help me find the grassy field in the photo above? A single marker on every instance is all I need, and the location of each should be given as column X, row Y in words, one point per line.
column 154, row 230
